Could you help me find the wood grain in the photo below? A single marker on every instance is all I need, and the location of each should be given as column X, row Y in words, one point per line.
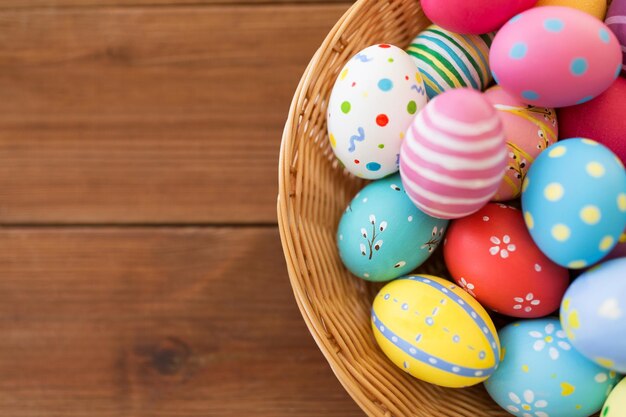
column 155, row 322
column 30, row 4
column 148, row 115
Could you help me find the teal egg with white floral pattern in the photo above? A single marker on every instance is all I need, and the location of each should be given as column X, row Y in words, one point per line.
column 542, row 375
column 382, row 235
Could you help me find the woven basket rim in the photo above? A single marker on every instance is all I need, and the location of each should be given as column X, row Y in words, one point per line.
column 377, row 386
column 313, row 322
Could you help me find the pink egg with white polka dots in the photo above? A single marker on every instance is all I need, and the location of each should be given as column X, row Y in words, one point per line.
column 555, row 57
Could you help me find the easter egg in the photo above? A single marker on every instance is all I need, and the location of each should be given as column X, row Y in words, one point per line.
column 449, row 60
column 477, row 16
column 491, row 255
column 593, row 314
column 555, row 57
column 601, row 118
column 435, row 331
column 453, row 158
column 595, row 8
column 541, row 375
column 375, row 98
column 382, row 235
column 574, row 202
column 615, row 405
column 616, row 21
column 528, row 131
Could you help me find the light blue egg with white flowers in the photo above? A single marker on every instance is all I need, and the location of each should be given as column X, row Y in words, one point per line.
column 593, row 314
column 574, row 202
column 542, row 375
column 382, row 235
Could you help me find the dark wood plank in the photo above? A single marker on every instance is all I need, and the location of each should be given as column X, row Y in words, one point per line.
column 149, row 115
column 30, row 4
column 155, row 322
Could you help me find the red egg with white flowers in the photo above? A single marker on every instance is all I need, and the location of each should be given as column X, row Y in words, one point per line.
column 493, row 257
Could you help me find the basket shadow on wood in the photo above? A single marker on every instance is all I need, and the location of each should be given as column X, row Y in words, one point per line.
column 313, row 192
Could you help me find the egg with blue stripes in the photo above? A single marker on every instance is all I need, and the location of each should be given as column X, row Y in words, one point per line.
column 435, row 331
column 449, row 60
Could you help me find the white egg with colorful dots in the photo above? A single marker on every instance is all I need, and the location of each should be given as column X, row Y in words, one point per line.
column 574, row 202
column 374, row 100
column 542, row 375
column 593, row 314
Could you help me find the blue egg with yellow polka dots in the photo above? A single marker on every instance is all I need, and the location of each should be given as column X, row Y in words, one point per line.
column 382, row 235
column 542, row 375
column 574, row 202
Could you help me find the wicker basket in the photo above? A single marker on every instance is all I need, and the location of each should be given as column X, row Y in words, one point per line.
column 313, row 192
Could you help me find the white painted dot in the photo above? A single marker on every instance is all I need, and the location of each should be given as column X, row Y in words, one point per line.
column 365, row 200
column 366, row 275
column 601, row 377
column 340, row 237
column 485, row 218
column 473, row 315
column 456, row 369
column 432, row 360
column 410, row 218
column 537, row 267
column 394, row 339
column 478, row 373
column 382, row 328
column 485, row 330
column 412, row 351
column 461, row 302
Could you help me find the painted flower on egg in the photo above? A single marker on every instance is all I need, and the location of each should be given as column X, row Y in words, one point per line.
column 382, row 235
column 551, row 340
column 527, row 404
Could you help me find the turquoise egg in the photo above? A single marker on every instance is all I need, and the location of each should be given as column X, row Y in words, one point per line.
column 542, row 375
column 382, row 235
column 574, row 202
column 593, row 314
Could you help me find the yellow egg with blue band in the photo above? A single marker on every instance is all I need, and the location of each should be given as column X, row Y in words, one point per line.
column 435, row 331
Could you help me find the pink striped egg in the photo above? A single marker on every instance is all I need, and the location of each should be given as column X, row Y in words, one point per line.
column 454, row 155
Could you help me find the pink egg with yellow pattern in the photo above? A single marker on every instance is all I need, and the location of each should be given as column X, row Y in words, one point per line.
column 528, row 131
column 555, row 57
column 453, row 157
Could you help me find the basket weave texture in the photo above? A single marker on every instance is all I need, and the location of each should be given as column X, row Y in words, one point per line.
column 313, row 192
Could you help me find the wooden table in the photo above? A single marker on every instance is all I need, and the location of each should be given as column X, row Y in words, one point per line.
column 141, row 272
